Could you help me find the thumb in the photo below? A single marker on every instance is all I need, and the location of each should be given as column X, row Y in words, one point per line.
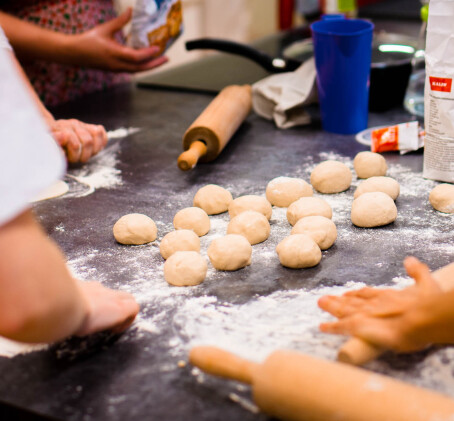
column 419, row 272
column 115, row 24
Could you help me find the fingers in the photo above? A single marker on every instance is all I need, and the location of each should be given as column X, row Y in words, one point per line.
column 419, row 272
column 131, row 66
column 134, row 56
column 69, row 142
column 80, row 141
column 114, row 25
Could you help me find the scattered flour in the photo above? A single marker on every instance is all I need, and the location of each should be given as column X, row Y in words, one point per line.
column 100, row 171
column 281, row 319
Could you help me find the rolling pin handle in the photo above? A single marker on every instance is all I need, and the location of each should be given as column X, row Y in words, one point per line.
column 188, row 159
column 358, row 352
column 221, row 363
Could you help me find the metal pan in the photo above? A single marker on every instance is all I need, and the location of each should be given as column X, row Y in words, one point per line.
column 390, row 70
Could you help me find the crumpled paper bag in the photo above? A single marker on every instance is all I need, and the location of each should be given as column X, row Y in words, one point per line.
column 282, row 97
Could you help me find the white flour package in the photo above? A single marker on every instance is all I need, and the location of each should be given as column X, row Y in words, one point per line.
column 154, row 22
column 439, row 95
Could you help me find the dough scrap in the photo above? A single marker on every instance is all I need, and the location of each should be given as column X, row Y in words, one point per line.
column 283, row 191
column 194, row 219
column 213, row 199
column 298, row 251
column 135, row 228
column 231, row 252
column 58, row 189
column 250, row 224
column 321, row 229
column 185, row 268
column 180, row 240
column 331, row 177
column 308, row 206
column 369, row 164
column 373, row 209
column 384, row 184
column 442, row 198
column 250, row 202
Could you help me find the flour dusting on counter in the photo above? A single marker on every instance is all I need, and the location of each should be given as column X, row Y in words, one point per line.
column 100, row 171
column 275, row 318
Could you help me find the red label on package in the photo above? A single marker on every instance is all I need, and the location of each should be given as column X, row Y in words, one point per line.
column 440, row 84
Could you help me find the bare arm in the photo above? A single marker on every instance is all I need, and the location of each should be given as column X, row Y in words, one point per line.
column 406, row 320
column 95, row 48
column 40, row 301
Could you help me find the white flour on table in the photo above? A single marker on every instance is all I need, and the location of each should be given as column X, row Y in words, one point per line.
column 282, row 319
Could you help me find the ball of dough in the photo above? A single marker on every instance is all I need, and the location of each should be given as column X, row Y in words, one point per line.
column 231, row 252
column 442, row 198
column 185, row 268
column 369, row 164
column 321, row 229
column 308, row 206
column 373, row 209
column 298, row 251
column 250, row 224
column 213, row 199
column 250, row 202
column 384, row 184
column 180, row 240
column 194, row 219
column 331, row 177
column 282, row 191
column 135, row 228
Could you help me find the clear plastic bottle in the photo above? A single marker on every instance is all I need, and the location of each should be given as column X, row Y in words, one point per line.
column 414, row 96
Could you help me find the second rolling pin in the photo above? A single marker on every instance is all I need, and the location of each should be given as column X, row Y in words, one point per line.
column 296, row 387
column 211, row 131
column 358, row 352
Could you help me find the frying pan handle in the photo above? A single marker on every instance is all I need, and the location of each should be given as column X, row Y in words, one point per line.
column 264, row 60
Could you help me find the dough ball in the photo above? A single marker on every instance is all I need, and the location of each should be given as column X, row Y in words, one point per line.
column 321, row 229
column 180, row 240
column 194, row 219
column 250, row 202
column 231, row 252
column 298, row 251
column 282, row 191
column 185, row 268
column 250, row 224
column 369, row 164
column 373, row 209
column 442, row 198
column 213, row 199
column 308, row 206
column 135, row 228
column 384, row 184
column 331, row 177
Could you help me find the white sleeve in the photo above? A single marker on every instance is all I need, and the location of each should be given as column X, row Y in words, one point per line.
column 30, row 160
column 4, row 43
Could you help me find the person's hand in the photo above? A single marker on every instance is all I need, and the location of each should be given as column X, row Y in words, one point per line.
column 107, row 309
column 398, row 320
column 79, row 140
column 98, row 48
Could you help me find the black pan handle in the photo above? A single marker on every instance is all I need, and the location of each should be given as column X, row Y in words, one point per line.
column 273, row 65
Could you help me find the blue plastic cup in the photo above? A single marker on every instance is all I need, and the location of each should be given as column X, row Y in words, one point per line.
column 343, row 50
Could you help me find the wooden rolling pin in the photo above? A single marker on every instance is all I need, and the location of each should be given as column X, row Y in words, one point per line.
column 359, row 352
column 212, row 130
column 295, row 387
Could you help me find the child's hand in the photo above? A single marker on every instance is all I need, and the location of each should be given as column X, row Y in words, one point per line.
column 392, row 319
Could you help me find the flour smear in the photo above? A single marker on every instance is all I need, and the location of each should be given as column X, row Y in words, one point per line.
column 280, row 320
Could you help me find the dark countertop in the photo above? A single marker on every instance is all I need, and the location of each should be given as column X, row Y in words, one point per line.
column 136, row 376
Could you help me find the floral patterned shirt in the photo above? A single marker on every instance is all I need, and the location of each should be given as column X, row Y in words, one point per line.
column 57, row 83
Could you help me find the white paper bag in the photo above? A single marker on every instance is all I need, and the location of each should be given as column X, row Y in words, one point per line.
column 439, row 92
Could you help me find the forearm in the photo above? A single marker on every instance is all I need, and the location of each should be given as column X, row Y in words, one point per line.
column 39, row 300
column 32, row 42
